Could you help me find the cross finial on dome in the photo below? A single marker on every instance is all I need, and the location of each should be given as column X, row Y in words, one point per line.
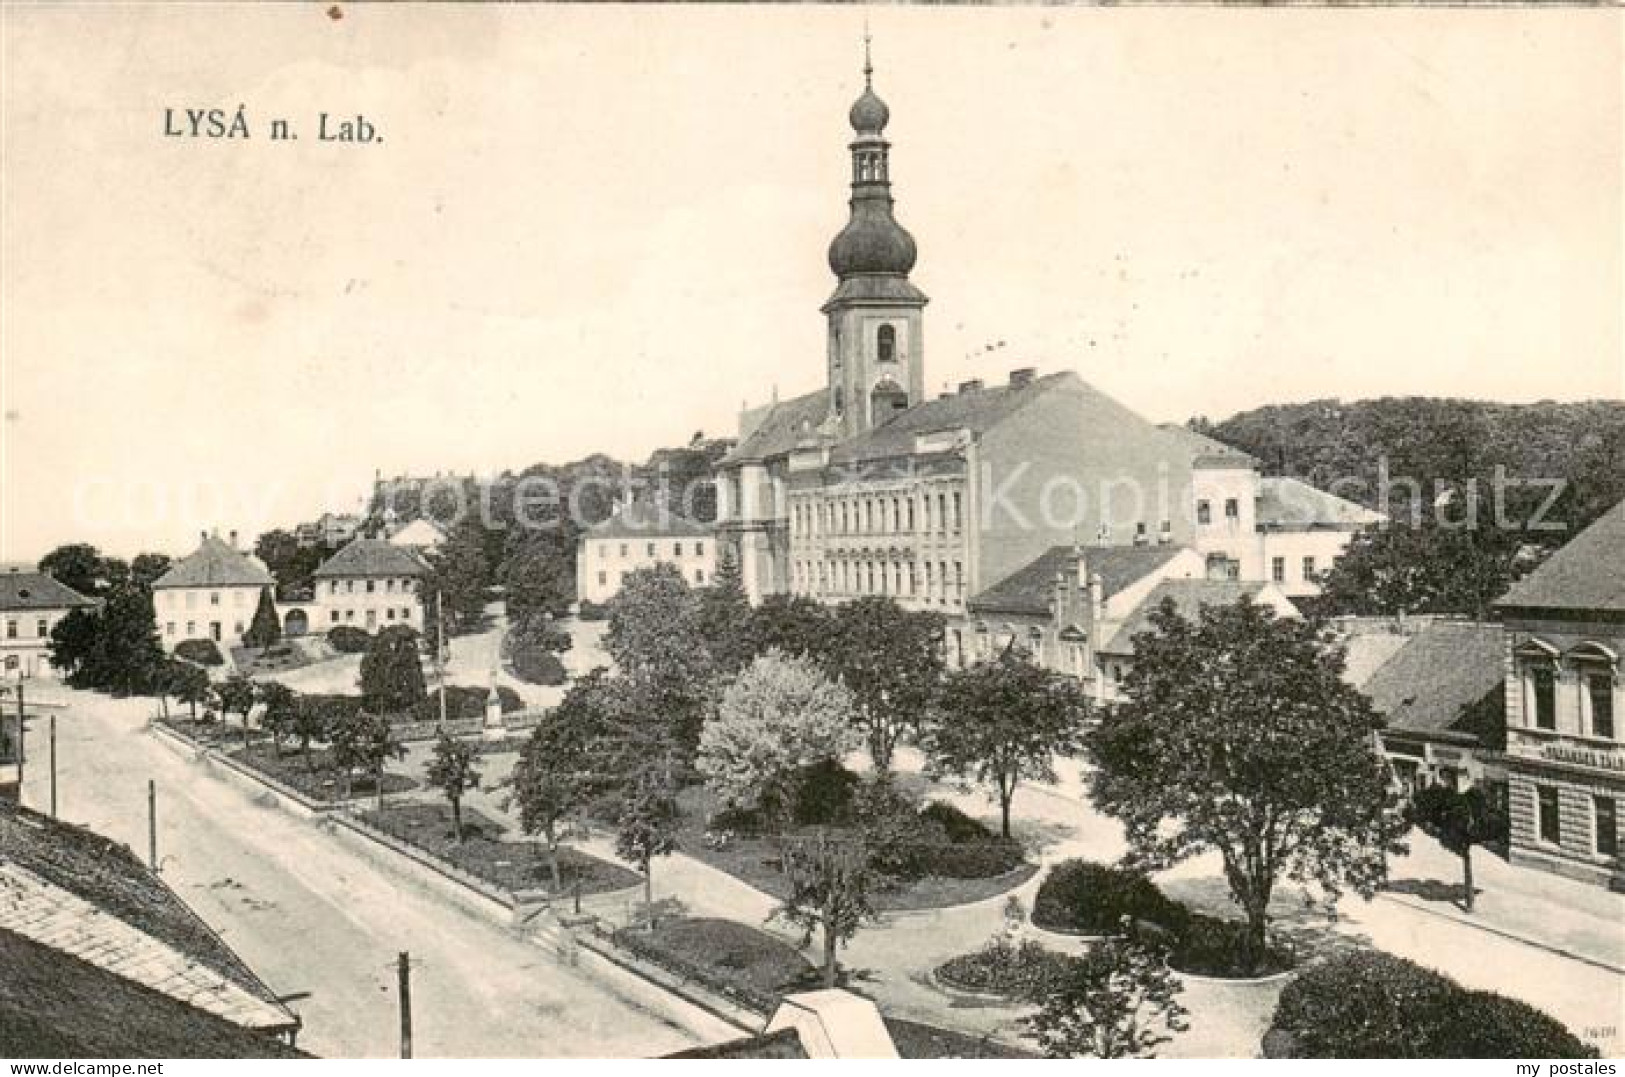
column 868, row 65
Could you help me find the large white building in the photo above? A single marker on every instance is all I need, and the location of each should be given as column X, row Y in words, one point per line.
column 369, row 584
column 641, row 535
column 31, row 604
column 209, row 594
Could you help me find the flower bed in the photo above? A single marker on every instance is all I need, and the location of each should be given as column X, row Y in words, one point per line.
column 738, row 962
column 1009, row 970
column 318, row 779
column 514, row 866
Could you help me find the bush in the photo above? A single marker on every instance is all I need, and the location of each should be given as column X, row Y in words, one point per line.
column 1001, row 968
column 1209, row 946
column 1374, row 1005
column 971, row 859
column 347, row 639
column 592, row 611
column 509, row 700
column 823, row 794
column 1091, row 899
column 908, row 843
column 535, row 665
column 955, row 823
column 202, row 651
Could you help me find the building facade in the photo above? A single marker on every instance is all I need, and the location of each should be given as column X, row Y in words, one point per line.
column 369, row 584
column 1565, row 756
column 209, row 594
column 31, row 605
column 866, row 486
column 639, row 535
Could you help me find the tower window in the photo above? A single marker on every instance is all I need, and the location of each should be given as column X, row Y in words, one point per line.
column 886, row 344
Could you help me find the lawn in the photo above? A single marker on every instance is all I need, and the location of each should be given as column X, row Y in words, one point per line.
column 485, row 854
column 320, row 779
column 735, row 960
column 756, row 861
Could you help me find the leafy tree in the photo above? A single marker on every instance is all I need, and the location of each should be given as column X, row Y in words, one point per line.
column 1004, row 720
column 189, row 685
column 264, row 630
column 110, row 648
column 538, row 578
column 147, row 567
column 1115, row 1001
column 365, row 741
column 392, row 673
column 453, row 771
column 723, row 617
column 778, row 716
column 1458, row 821
column 280, row 718
column 793, row 625
column 1391, row 569
column 237, row 693
column 315, row 718
column 1239, row 735
column 460, row 575
column 647, row 825
column 654, row 636
column 891, row 659
column 78, row 565
column 830, row 883
column 554, row 777
column 293, row 566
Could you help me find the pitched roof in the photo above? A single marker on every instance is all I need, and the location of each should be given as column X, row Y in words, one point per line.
column 1437, row 675
column 1210, row 452
column 642, row 519
column 215, row 564
column 785, row 423
column 1586, row 574
column 37, row 591
column 785, row 1043
column 976, row 410
column 1030, row 588
column 371, row 557
column 1286, row 504
column 1188, row 596
column 107, row 876
column 55, row 1005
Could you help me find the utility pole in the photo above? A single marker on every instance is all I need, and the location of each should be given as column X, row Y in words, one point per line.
column 152, row 825
column 53, row 766
column 440, row 648
column 22, row 742
column 403, row 975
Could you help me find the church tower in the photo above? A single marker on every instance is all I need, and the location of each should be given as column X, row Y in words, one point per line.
column 876, row 340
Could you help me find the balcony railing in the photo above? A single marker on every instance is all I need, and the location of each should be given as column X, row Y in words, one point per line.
column 1593, row 752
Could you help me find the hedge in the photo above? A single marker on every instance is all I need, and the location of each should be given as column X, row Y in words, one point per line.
column 1374, row 1005
column 1020, row 971
column 592, row 611
column 1092, row 899
column 464, row 702
column 535, row 666
column 347, row 639
column 202, row 651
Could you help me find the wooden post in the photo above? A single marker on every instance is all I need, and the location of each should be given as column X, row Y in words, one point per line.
column 53, row 766
column 152, row 825
column 403, row 975
column 22, row 742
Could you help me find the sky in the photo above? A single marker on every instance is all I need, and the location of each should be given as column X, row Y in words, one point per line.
column 603, row 229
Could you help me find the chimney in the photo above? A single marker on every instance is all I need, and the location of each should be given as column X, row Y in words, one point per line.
column 1024, row 376
column 203, row 536
column 970, row 386
column 232, row 535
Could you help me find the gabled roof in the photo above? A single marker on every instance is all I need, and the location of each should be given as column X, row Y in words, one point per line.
column 1586, row 574
column 1030, row 588
column 975, row 410
column 56, row 1005
column 1188, row 596
column 1209, row 452
column 371, row 557
column 785, row 1043
column 786, row 423
column 215, row 564
column 37, row 591
column 642, row 519
column 1286, row 504
column 39, row 854
column 1437, row 675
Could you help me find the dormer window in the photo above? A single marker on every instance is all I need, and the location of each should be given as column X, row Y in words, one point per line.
column 886, row 344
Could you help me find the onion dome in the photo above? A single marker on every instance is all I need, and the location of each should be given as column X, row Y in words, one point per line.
column 869, row 113
column 872, row 242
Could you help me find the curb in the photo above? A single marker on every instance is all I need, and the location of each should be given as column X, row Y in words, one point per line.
column 1459, row 918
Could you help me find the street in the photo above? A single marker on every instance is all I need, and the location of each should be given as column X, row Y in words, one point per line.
column 310, row 918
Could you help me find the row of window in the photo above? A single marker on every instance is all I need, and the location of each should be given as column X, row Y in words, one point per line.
column 603, row 577
column 42, row 628
column 390, row 614
column 169, row 597
column 650, row 549
column 1604, row 821
column 941, row 515
column 926, row 580
column 1278, row 569
column 191, row 629
column 1204, row 510
column 1596, row 693
column 371, row 586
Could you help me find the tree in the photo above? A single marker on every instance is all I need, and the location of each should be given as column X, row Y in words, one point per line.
column 654, row 636
column 554, row 776
column 147, row 567
column 538, row 578
column 293, row 566
column 1238, row 735
column 264, row 630
column 78, row 565
column 392, row 673
column 364, row 741
column 891, row 659
column 459, row 575
column 647, row 825
column 1004, row 720
column 1115, row 1001
column 1458, row 821
column 1397, row 568
column 189, row 685
column 723, row 617
column 778, row 716
column 314, row 718
column 792, row 624
column 237, row 693
column 453, row 771
column 280, row 718
column 830, row 882
column 110, row 648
